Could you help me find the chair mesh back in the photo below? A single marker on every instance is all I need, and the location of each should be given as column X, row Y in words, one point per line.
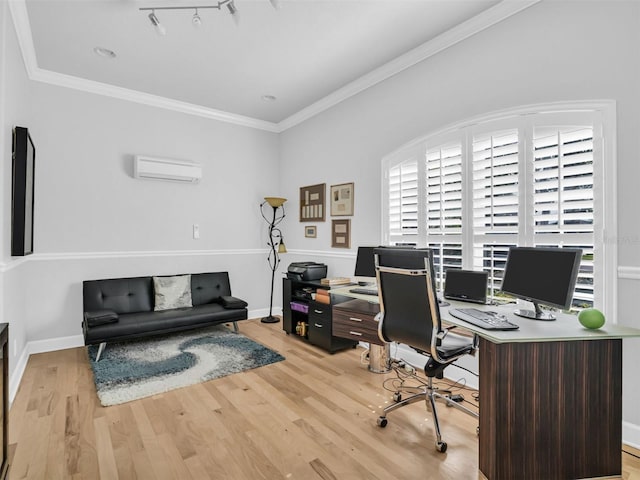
column 408, row 316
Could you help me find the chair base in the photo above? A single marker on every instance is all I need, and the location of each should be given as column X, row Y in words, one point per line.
column 430, row 394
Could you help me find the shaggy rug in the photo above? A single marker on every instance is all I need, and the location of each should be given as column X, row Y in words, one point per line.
column 131, row 370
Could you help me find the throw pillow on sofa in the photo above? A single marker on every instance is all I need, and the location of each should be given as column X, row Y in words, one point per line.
column 172, row 292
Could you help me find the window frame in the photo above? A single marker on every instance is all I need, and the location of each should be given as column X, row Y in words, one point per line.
column 601, row 115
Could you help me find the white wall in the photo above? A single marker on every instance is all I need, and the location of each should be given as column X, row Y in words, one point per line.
column 13, row 111
column 94, row 220
column 553, row 51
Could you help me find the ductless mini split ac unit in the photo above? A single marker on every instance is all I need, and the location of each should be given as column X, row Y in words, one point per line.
column 166, row 169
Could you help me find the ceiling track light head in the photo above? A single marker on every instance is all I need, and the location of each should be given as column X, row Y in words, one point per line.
column 196, row 20
column 156, row 24
column 231, row 6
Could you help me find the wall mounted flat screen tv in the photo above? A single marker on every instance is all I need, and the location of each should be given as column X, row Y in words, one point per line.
column 24, row 159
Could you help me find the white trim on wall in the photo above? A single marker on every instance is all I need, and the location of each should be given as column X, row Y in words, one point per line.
column 484, row 20
column 629, row 273
column 17, row 261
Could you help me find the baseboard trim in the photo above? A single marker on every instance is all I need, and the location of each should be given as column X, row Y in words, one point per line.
column 16, row 377
column 631, row 435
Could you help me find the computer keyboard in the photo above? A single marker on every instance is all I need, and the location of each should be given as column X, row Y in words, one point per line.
column 483, row 318
column 364, row 291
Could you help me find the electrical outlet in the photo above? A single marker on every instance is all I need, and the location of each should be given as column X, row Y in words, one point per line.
column 196, row 231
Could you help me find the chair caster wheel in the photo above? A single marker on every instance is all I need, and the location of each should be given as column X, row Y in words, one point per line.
column 397, row 397
column 441, row 446
column 382, row 422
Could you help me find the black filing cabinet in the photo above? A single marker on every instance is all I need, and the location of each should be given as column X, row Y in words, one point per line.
column 316, row 317
column 320, row 325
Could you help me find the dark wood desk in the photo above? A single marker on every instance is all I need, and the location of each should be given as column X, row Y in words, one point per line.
column 550, row 398
column 355, row 320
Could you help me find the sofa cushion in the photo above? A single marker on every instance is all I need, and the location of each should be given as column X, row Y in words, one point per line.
column 209, row 287
column 143, row 324
column 172, row 292
column 121, row 295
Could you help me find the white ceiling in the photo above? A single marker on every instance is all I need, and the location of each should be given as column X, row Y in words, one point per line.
column 304, row 53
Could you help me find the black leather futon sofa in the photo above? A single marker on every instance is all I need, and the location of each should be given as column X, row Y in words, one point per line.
column 123, row 308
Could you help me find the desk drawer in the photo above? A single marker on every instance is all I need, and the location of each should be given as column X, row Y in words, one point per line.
column 355, row 326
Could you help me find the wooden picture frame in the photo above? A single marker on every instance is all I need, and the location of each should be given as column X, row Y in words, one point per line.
column 342, row 200
column 312, row 204
column 341, row 233
column 310, row 231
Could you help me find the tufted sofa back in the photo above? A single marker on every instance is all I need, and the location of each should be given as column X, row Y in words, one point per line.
column 132, row 295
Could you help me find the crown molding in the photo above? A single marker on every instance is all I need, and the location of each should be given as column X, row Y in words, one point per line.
column 91, row 86
column 486, row 19
column 482, row 21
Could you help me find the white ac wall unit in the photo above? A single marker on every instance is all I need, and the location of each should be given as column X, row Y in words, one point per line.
column 151, row 168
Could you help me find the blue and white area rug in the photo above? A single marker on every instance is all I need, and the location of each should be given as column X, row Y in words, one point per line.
column 131, row 370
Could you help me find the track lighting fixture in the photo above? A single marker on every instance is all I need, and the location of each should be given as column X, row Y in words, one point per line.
column 156, row 24
column 195, row 20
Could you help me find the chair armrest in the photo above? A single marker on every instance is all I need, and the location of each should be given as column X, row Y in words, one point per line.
column 100, row 317
column 232, row 303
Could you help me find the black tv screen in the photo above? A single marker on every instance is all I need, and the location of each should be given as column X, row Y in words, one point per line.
column 24, row 157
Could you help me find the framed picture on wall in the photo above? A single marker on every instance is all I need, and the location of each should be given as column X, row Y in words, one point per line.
column 342, row 200
column 310, row 231
column 341, row 233
column 312, row 203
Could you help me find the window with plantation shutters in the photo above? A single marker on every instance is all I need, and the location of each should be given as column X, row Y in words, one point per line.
column 495, row 182
column 402, row 181
column 531, row 179
column 443, row 174
column 563, row 180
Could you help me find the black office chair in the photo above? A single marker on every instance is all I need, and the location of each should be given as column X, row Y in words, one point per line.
column 409, row 314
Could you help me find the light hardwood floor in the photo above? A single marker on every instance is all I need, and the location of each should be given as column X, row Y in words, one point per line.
column 311, row 416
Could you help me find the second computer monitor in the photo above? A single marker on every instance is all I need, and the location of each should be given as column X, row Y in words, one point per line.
column 365, row 263
column 466, row 285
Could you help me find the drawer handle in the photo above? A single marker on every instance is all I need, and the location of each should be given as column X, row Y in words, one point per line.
column 318, row 311
column 355, row 319
column 319, row 326
column 357, row 334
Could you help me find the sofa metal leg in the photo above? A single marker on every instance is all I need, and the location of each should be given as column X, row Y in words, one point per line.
column 235, row 327
column 100, row 350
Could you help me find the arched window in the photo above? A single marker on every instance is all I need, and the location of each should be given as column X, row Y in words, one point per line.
column 535, row 176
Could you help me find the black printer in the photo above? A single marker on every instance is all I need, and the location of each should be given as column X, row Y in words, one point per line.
column 306, row 271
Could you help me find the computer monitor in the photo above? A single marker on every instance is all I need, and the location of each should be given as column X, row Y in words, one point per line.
column 466, row 285
column 365, row 263
column 542, row 275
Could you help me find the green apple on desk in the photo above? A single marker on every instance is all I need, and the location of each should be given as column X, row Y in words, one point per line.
column 591, row 318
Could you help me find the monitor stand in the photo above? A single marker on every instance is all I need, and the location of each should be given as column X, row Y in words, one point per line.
column 536, row 314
